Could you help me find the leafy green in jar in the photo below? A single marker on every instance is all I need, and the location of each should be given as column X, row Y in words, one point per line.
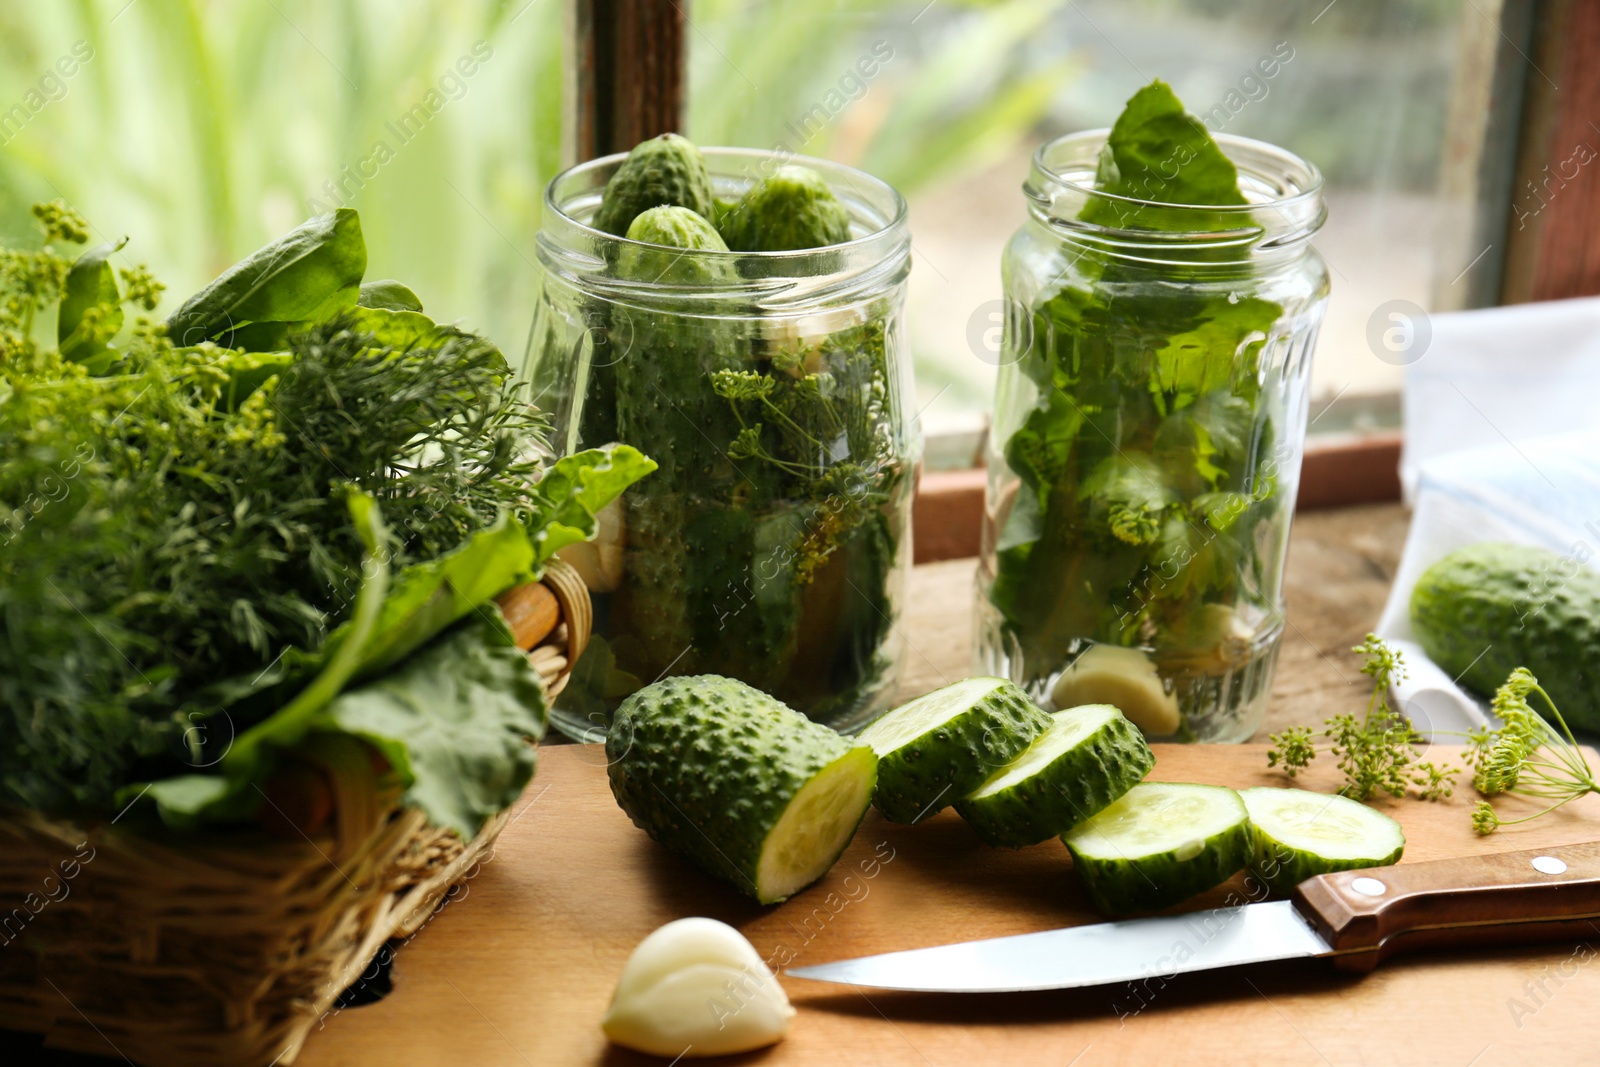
column 1147, row 464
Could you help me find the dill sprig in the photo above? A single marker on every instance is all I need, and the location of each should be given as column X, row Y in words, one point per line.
column 817, row 414
column 1526, row 755
column 1377, row 752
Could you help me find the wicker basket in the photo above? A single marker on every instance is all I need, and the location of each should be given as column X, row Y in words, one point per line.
column 222, row 953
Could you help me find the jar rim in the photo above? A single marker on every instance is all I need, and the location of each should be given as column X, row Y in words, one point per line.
column 1283, row 189
column 868, row 198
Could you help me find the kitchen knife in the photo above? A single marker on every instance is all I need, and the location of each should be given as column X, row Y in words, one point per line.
column 1356, row 918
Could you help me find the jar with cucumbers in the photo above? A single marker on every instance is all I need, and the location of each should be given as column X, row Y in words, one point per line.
column 739, row 315
column 1163, row 300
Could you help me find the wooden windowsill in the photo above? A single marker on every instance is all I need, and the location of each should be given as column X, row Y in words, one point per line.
column 1337, row 472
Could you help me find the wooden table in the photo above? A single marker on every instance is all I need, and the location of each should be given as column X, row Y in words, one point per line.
column 1340, row 566
column 519, row 969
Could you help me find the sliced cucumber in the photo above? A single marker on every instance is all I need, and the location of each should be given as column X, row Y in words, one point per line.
column 816, row 826
column 1162, row 842
column 940, row 747
column 1089, row 757
column 738, row 782
column 1300, row 834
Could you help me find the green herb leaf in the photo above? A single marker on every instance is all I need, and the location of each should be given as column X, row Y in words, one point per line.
column 428, row 597
column 1158, row 152
column 399, row 329
column 308, row 275
column 456, row 721
column 573, row 491
column 1527, row 755
column 389, row 295
column 183, row 801
column 1377, row 752
column 91, row 309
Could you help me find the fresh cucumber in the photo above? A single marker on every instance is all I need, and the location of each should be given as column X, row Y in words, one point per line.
column 1487, row 609
column 738, row 782
column 1089, row 757
column 940, row 747
column 1162, row 842
column 1299, row 834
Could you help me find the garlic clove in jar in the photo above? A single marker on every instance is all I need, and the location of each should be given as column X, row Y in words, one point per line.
column 1125, row 678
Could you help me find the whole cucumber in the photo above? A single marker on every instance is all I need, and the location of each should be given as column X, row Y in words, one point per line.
column 1483, row 611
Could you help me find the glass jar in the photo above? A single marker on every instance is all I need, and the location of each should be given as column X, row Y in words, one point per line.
column 1150, row 416
column 774, row 390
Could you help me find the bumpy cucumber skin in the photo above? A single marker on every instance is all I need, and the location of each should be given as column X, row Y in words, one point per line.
column 927, row 775
column 1074, row 786
column 663, row 170
column 706, row 765
column 674, row 228
column 1483, row 611
column 1282, row 867
column 792, row 210
column 1120, row 887
column 682, row 582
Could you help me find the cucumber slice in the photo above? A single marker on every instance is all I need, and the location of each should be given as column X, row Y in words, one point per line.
column 940, row 747
column 1089, row 757
column 740, row 783
column 1300, row 834
column 1162, row 842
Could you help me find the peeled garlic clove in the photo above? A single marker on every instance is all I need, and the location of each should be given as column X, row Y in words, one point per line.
column 696, row 987
column 1125, row 678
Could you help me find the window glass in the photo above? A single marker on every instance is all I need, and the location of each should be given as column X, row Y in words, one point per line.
column 967, row 90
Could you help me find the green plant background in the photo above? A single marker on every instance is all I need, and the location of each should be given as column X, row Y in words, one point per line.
column 203, row 128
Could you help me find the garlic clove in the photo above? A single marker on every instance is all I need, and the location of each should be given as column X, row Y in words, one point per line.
column 697, row 987
column 1125, row 678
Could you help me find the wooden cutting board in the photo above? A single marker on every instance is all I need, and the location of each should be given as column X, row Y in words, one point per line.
column 518, row 968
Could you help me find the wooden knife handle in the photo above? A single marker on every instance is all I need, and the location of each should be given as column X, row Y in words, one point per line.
column 1548, row 894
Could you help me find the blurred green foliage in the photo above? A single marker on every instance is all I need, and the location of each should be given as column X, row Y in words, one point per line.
column 202, row 128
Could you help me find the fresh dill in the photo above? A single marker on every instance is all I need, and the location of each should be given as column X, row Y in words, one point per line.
column 1526, row 756
column 1377, row 752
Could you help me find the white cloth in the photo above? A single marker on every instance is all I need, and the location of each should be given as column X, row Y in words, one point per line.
column 1544, row 492
column 1502, row 443
column 1501, row 375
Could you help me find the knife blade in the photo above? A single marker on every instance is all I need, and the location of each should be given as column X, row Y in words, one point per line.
column 1356, row 918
